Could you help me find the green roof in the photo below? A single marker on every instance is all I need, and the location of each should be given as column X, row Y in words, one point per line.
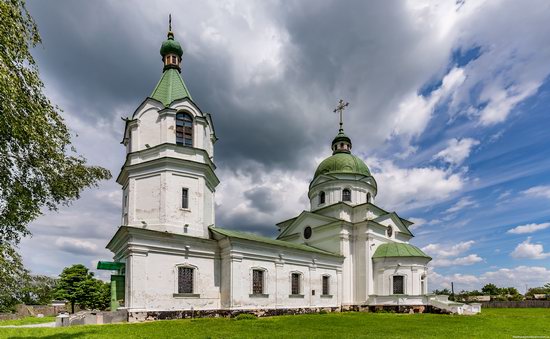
column 171, row 46
column 394, row 249
column 342, row 163
column 170, row 87
column 110, row 265
column 265, row 240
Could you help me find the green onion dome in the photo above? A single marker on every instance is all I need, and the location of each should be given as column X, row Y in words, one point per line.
column 342, row 163
column 171, row 46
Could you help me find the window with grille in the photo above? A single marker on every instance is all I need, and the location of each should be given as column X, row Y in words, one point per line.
column 257, row 281
column 184, row 198
column 295, row 279
column 398, row 284
column 321, row 198
column 184, row 129
column 346, row 195
column 326, row 286
column 185, row 279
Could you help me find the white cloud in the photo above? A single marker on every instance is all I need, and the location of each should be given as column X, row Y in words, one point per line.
column 457, row 150
column 529, row 228
column 442, row 250
column 538, row 191
column 462, row 203
column 529, row 250
column 401, row 188
column 76, row 246
column 461, row 261
column 518, row 277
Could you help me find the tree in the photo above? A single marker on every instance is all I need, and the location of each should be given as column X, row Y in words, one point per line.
column 39, row 290
column 490, row 289
column 78, row 285
column 444, row 291
column 13, row 275
column 38, row 165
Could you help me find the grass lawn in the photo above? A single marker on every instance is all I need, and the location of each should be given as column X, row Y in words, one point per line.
column 492, row 323
column 27, row 321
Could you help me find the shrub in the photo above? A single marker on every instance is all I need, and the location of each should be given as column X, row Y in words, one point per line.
column 246, row 316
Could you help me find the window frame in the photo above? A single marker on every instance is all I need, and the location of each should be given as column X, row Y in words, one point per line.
column 402, row 276
column 325, row 293
column 195, row 271
column 253, row 293
column 185, row 124
column 184, row 198
column 344, row 194
column 322, row 197
column 300, row 286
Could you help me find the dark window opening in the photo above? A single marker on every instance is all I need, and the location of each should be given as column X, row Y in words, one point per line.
column 184, row 198
column 184, row 129
column 321, row 198
column 390, row 231
column 295, row 283
column 369, row 197
column 307, row 232
column 185, row 279
column 398, row 284
column 346, row 195
column 326, row 289
column 257, row 281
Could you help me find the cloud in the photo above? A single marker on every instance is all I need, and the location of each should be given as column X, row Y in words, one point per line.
column 461, row 204
column 401, row 188
column 442, row 250
column 529, row 250
column 457, row 150
column 518, row 277
column 529, row 228
column 76, row 246
column 538, row 191
column 462, row 261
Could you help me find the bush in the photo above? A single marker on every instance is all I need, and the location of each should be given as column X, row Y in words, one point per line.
column 323, row 312
column 246, row 316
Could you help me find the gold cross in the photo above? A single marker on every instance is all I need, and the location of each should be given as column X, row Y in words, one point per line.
column 340, row 109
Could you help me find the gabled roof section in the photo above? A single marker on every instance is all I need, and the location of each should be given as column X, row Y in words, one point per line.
column 301, row 217
column 265, row 240
column 394, row 249
column 397, row 220
column 170, row 87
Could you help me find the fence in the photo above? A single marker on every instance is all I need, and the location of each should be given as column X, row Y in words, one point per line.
column 516, row 304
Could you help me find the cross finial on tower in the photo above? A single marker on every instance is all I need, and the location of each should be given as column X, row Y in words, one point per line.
column 340, row 109
column 170, row 22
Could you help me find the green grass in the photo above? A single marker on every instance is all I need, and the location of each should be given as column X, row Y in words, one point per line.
column 492, row 323
column 27, row 321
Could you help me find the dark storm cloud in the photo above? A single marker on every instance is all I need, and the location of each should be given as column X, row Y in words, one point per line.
column 262, row 199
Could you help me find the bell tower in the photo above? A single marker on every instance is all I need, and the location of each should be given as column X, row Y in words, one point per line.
column 168, row 179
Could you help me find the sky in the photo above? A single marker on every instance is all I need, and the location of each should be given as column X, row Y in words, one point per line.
column 448, row 108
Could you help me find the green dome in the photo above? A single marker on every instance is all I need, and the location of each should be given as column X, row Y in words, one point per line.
column 342, row 163
column 171, row 46
column 341, row 136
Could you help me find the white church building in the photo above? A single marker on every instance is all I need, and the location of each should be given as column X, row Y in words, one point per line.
column 344, row 253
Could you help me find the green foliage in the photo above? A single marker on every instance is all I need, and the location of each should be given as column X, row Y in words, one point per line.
column 39, row 290
column 323, row 312
column 13, row 276
column 444, row 291
column 38, row 166
column 78, row 285
column 490, row 289
column 245, row 316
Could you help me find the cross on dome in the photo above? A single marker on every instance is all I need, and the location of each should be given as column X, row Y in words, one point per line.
column 341, row 143
column 340, row 109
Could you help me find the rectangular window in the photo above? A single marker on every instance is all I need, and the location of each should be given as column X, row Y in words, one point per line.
column 326, row 287
column 257, row 282
column 184, row 198
column 295, row 280
column 398, row 284
column 185, row 279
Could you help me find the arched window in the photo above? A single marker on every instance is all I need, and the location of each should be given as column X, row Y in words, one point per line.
column 184, row 129
column 321, row 198
column 368, row 197
column 346, row 194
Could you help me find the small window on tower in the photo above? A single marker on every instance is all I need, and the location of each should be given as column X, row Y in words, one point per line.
column 185, row 198
column 369, row 198
column 346, row 195
column 174, row 59
column 184, row 129
column 321, row 198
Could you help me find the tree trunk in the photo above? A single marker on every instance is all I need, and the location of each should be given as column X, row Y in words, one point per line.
column 72, row 307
